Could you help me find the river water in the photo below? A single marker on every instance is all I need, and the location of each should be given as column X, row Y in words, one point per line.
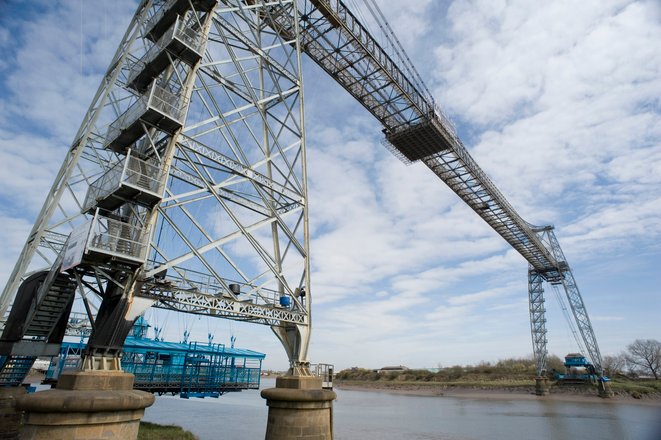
column 382, row 416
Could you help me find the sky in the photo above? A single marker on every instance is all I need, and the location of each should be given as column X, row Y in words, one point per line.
column 559, row 102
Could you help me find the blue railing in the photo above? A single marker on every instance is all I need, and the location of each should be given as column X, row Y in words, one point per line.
column 191, row 370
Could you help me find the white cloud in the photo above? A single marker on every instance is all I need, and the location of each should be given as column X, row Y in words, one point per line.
column 59, row 63
column 562, row 102
column 567, row 98
column 607, row 318
column 12, row 236
column 480, row 296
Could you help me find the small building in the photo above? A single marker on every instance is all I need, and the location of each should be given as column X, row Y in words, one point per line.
column 393, row 369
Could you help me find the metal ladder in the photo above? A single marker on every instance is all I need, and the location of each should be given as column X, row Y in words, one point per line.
column 14, row 369
column 50, row 309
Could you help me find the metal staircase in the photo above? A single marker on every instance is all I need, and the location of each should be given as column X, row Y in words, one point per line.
column 51, row 308
column 36, row 324
column 158, row 107
column 14, row 369
column 139, row 144
column 130, row 179
column 161, row 21
column 183, row 42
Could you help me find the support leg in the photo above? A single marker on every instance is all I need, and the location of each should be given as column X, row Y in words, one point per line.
column 299, row 409
column 537, row 319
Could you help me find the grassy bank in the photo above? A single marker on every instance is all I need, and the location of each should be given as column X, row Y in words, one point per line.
column 511, row 375
column 152, row 431
column 637, row 390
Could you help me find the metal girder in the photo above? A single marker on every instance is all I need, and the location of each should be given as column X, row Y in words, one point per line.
column 418, row 130
column 360, row 64
column 226, row 307
column 460, row 172
column 242, row 170
column 227, row 129
column 29, row 348
column 580, row 313
column 333, row 37
column 537, row 318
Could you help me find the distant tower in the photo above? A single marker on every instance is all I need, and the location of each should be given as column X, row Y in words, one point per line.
column 561, row 275
column 185, row 186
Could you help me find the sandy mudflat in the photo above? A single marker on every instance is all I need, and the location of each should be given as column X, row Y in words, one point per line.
column 517, row 393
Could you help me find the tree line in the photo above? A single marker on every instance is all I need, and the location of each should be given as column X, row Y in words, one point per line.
column 641, row 358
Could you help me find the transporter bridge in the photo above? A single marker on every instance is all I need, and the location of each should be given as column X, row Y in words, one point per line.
column 201, row 112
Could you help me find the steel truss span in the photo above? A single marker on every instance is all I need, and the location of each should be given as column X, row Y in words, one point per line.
column 417, row 130
column 186, row 184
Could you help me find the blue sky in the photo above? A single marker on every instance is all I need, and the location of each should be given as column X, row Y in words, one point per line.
column 558, row 102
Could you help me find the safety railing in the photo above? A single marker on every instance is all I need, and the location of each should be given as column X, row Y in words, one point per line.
column 130, row 171
column 160, row 13
column 204, row 283
column 325, row 371
column 187, row 35
column 163, row 16
column 118, row 239
column 157, row 98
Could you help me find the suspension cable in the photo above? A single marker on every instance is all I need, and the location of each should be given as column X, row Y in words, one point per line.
column 570, row 322
column 397, row 47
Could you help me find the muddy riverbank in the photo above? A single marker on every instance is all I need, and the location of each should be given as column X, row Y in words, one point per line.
column 574, row 394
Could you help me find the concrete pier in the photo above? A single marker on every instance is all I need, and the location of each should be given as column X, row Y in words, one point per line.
column 604, row 389
column 541, row 386
column 86, row 405
column 10, row 417
column 299, row 409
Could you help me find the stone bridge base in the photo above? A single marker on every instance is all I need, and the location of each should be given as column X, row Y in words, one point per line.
column 605, row 390
column 10, row 417
column 299, row 409
column 541, row 386
column 86, row 405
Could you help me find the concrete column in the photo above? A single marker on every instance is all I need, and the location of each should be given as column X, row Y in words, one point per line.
column 299, row 409
column 10, row 417
column 605, row 390
column 86, row 405
column 541, row 386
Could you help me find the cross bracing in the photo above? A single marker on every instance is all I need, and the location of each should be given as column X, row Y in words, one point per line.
column 536, row 303
column 190, row 164
column 416, row 129
column 205, row 95
column 566, row 279
column 257, row 307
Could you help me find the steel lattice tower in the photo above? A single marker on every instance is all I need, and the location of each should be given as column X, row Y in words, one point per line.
column 185, row 186
column 565, row 277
